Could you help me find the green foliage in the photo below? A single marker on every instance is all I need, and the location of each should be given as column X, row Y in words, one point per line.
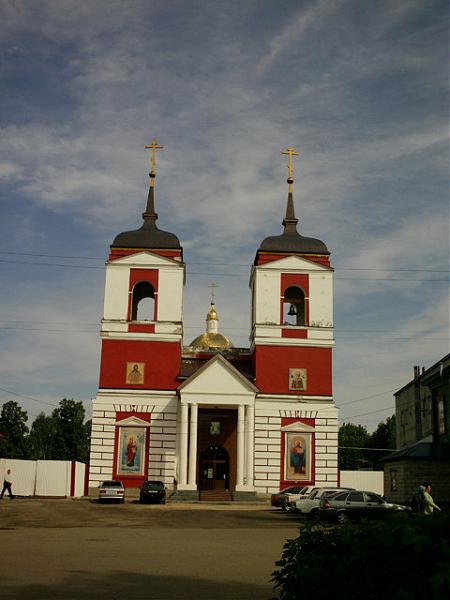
column 61, row 436
column 42, row 438
column 354, row 436
column 13, row 430
column 72, row 435
column 401, row 558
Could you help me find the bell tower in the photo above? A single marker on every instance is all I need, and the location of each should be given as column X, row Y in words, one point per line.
column 292, row 310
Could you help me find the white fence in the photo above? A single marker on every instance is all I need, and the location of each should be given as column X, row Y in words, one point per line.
column 369, row 481
column 51, row 478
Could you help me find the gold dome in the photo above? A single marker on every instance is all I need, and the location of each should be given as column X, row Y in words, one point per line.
column 215, row 341
column 212, row 313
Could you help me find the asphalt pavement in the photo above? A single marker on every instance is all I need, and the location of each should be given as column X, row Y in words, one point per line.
column 79, row 549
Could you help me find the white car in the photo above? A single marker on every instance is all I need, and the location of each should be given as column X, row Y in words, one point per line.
column 290, row 498
column 310, row 505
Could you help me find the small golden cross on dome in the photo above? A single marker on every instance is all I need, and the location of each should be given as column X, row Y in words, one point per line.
column 213, row 290
column 154, row 146
column 290, row 152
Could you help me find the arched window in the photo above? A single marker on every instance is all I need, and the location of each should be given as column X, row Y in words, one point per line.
column 143, row 305
column 294, row 306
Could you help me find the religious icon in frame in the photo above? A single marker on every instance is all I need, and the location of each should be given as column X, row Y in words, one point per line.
column 214, row 428
column 135, row 373
column 131, row 451
column 297, row 456
column 297, row 379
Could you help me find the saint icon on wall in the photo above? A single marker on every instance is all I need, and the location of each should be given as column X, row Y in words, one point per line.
column 131, row 451
column 297, row 457
column 297, row 379
column 135, row 373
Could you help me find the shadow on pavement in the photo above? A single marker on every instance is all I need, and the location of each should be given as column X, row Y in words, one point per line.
column 118, row 585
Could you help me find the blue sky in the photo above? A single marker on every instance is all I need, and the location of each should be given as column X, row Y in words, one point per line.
column 359, row 87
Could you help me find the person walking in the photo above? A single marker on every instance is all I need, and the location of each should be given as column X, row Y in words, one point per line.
column 429, row 504
column 7, row 485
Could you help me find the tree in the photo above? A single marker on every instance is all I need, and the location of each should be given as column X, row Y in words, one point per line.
column 13, row 431
column 350, row 438
column 72, row 435
column 384, row 436
column 42, row 438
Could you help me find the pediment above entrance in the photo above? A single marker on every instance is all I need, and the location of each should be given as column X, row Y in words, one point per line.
column 298, row 427
column 132, row 422
column 218, row 377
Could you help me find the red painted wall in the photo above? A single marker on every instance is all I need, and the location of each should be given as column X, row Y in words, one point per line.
column 272, row 364
column 284, row 482
column 120, row 252
column 162, row 363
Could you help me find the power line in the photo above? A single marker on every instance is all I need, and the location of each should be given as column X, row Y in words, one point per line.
column 28, row 397
column 220, row 264
column 367, row 397
column 373, row 412
column 215, row 274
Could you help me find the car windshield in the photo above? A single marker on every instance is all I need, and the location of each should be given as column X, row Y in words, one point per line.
column 153, row 485
column 112, row 484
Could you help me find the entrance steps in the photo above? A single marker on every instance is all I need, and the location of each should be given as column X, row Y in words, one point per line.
column 215, row 496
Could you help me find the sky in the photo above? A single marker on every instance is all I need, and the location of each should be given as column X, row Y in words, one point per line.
column 359, row 88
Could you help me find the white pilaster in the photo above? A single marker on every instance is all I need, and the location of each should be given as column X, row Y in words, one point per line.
column 182, row 483
column 250, row 446
column 193, row 446
column 240, row 448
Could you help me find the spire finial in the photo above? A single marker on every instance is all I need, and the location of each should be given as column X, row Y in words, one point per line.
column 154, row 146
column 290, row 152
column 213, row 287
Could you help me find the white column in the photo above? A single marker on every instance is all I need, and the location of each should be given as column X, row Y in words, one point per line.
column 183, row 447
column 193, row 446
column 240, row 448
column 250, row 446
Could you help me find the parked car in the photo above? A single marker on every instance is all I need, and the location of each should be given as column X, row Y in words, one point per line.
column 153, row 491
column 111, row 490
column 310, row 505
column 357, row 504
column 279, row 498
column 289, row 498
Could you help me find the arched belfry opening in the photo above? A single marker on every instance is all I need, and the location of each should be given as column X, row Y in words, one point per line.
column 294, row 306
column 143, row 304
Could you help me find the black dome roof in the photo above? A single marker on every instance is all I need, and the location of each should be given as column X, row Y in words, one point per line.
column 147, row 236
column 290, row 241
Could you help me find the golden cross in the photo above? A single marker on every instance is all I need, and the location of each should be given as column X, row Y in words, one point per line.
column 213, row 286
column 154, row 146
column 290, row 152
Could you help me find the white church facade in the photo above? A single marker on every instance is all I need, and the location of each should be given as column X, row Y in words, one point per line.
column 213, row 420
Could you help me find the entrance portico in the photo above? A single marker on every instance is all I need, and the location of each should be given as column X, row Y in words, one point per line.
column 215, row 438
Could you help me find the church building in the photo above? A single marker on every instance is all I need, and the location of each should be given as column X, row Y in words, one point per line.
column 209, row 419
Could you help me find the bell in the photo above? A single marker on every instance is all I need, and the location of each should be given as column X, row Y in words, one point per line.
column 292, row 311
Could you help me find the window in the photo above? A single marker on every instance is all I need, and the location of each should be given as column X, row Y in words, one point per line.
column 294, row 306
column 355, row 497
column 143, row 305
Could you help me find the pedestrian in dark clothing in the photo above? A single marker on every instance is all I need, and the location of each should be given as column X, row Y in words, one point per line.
column 7, row 484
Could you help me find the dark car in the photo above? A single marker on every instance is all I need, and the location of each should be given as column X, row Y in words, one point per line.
column 356, row 504
column 153, row 491
column 279, row 499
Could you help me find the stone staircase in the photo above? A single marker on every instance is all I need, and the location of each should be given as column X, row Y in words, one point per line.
column 215, row 496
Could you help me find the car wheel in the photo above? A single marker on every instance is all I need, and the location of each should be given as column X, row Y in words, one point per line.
column 342, row 518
